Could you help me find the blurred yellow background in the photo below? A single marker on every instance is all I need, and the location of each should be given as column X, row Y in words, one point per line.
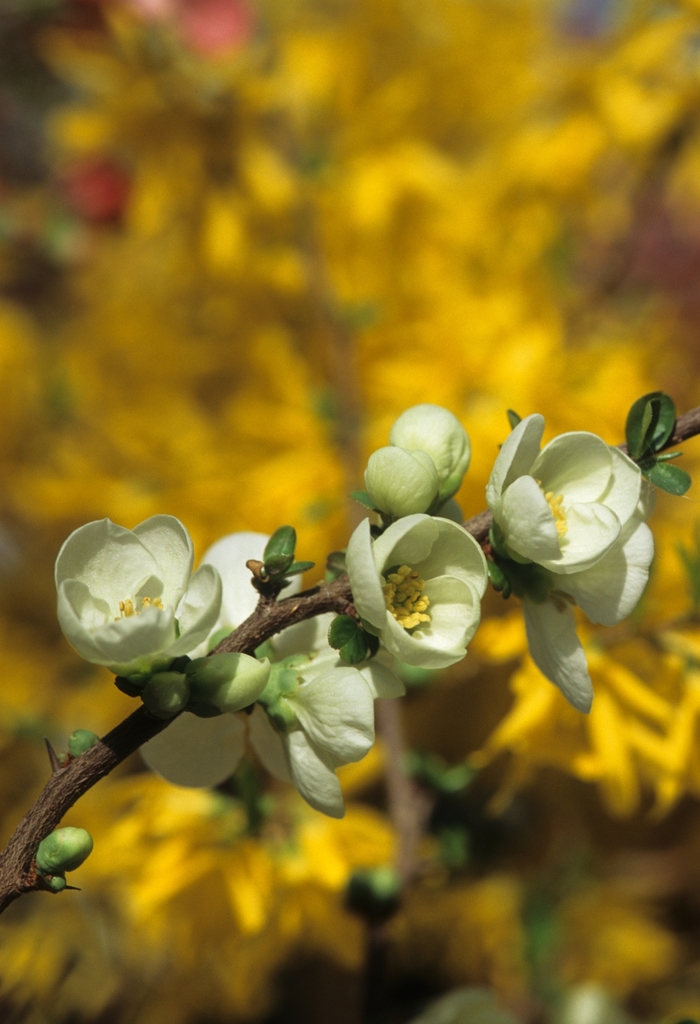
column 237, row 239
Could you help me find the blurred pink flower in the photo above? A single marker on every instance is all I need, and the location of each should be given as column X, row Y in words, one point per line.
column 207, row 26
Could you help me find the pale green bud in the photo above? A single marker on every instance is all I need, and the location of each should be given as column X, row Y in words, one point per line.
column 82, row 740
column 63, row 850
column 432, row 429
column 230, row 682
column 166, row 694
column 401, row 482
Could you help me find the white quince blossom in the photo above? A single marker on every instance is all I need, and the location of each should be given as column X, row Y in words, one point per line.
column 324, row 719
column 578, row 509
column 128, row 599
column 401, row 482
column 564, row 506
column 436, row 431
column 419, row 587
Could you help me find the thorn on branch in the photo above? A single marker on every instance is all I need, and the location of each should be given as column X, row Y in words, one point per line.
column 53, row 756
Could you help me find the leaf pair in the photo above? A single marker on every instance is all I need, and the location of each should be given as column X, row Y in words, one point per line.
column 278, row 559
column 352, row 642
column 649, row 426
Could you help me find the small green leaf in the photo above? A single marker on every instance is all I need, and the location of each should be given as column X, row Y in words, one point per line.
column 342, row 630
column 497, row 542
column 363, row 498
column 513, row 418
column 668, row 478
column 277, row 565
column 282, row 542
column 650, row 423
column 668, row 456
column 496, row 575
column 355, row 650
column 335, row 565
column 665, row 423
column 296, row 567
column 372, row 642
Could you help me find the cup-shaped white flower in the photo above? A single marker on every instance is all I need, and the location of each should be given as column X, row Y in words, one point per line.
column 565, row 506
column 432, row 429
column 419, row 587
column 401, row 482
column 607, row 592
column 319, row 715
column 128, row 599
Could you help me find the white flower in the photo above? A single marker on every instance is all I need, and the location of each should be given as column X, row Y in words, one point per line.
column 432, row 429
column 401, row 482
column 607, row 593
column 326, row 718
column 419, row 587
column 563, row 507
column 128, row 599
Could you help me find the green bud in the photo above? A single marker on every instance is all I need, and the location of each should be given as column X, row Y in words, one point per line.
column 82, row 740
column 282, row 715
column 229, row 682
column 56, row 883
column 401, row 482
column 64, row 850
column 432, row 429
column 279, row 551
column 166, row 694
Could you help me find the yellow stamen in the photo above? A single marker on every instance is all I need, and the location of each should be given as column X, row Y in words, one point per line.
column 403, row 593
column 126, row 607
column 555, row 502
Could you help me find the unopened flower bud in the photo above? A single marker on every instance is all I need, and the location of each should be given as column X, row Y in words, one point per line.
column 432, row 429
column 63, row 850
column 82, row 740
column 166, row 694
column 401, row 482
column 229, row 682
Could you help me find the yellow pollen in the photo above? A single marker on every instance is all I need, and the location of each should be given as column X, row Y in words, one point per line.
column 126, row 608
column 555, row 502
column 403, row 593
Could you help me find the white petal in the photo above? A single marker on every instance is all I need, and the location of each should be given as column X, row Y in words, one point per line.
column 199, row 609
column 79, row 615
column 109, row 559
column 609, row 590
column 407, row 541
column 577, row 465
column 229, row 556
column 313, row 775
column 624, row 489
column 336, row 711
column 591, row 531
column 169, row 543
column 454, row 610
column 133, row 644
column 196, row 751
column 517, row 454
column 380, row 678
column 455, row 553
column 307, row 636
column 527, row 521
column 364, row 578
column 268, row 744
column 557, row 652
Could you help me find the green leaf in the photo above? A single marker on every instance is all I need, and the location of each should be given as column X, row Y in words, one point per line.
column 650, row 423
column 335, row 565
column 298, row 567
column 372, row 642
column 513, row 418
column 668, row 478
column 668, row 456
column 364, row 499
column 282, row 542
column 342, row 630
column 496, row 575
column 277, row 565
column 355, row 650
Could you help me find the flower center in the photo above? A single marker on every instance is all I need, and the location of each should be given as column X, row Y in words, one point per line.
column 126, row 608
column 403, row 593
column 555, row 502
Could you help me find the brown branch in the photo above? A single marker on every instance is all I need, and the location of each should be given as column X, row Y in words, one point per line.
column 687, row 425
column 72, row 780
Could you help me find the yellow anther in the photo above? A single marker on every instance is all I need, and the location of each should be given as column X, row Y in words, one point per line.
column 404, row 597
column 126, row 608
column 555, row 502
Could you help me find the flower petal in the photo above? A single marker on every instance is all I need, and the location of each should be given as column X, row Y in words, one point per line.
column 527, row 521
column 313, row 775
column 229, row 556
column 592, row 530
column 199, row 609
column 577, row 465
column 268, row 744
column 623, row 491
column 557, row 652
column 109, row 559
column 336, row 711
column 136, row 643
column 363, row 575
column 455, row 553
column 454, row 610
column 407, row 541
column 609, row 590
column 80, row 614
column 170, row 544
column 517, row 454
column 194, row 751
column 304, row 637
column 380, row 678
